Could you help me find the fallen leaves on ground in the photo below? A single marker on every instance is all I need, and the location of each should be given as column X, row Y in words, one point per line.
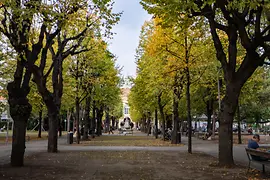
column 122, row 165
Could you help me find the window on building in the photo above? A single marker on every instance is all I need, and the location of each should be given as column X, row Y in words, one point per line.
column 126, row 110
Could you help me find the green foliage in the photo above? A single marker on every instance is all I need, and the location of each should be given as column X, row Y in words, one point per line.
column 50, row 29
column 254, row 104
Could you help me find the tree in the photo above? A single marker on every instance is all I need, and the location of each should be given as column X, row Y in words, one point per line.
column 31, row 27
column 244, row 20
column 15, row 26
column 106, row 88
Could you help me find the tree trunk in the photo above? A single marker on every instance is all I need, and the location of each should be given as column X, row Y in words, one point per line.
column 68, row 120
column 107, row 120
column 113, row 122
column 60, row 126
column 148, row 129
column 53, row 125
column 214, row 125
column 77, row 120
column 228, row 108
column 99, row 121
column 18, row 142
column 144, row 126
column 156, row 123
column 239, row 125
column 162, row 117
column 20, row 110
column 175, row 134
column 40, row 123
column 188, row 100
column 93, row 122
column 87, row 118
column 116, row 123
column 189, row 117
column 209, row 111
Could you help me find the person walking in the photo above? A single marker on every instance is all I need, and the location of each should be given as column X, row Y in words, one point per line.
column 111, row 130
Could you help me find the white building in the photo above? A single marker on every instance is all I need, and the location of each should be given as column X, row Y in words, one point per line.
column 124, row 96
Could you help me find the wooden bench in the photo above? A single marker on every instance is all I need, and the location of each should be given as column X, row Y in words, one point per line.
column 262, row 154
column 129, row 131
column 125, row 131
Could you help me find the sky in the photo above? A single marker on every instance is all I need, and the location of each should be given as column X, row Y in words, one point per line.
column 126, row 40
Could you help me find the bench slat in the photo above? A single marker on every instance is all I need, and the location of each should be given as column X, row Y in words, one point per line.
column 258, row 153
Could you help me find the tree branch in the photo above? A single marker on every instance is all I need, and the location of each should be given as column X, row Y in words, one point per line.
column 221, row 56
column 49, row 71
column 38, row 46
column 265, row 30
column 80, row 51
column 173, row 53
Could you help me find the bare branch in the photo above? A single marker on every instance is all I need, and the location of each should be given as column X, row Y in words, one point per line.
column 38, row 46
column 221, row 56
column 266, row 63
column 49, row 71
column 77, row 36
column 78, row 52
column 173, row 53
column 265, row 30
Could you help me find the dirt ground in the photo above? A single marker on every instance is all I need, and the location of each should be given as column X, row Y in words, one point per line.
column 129, row 165
column 127, row 140
column 30, row 136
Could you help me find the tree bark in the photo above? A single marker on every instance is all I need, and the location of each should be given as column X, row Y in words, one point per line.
column 189, row 112
column 113, row 122
column 93, row 122
column 20, row 110
column 107, row 120
column 209, row 111
column 99, row 120
column 148, row 129
column 156, row 123
column 77, row 103
column 60, row 126
column 175, row 134
column 40, row 123
column 187, row 47
column 53, row 125
column 228, row 108
column 239, row 125
column 162, row 117
column 68, row 120
column 144, row 127
column 87, row 118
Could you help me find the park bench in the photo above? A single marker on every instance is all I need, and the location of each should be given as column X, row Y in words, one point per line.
column 254, row 152
column 125, row 131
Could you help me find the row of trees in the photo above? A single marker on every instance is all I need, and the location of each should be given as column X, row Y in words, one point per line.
column 178, row 71
column 55, row 60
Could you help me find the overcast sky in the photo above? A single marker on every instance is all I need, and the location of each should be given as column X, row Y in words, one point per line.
column 126, row 40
